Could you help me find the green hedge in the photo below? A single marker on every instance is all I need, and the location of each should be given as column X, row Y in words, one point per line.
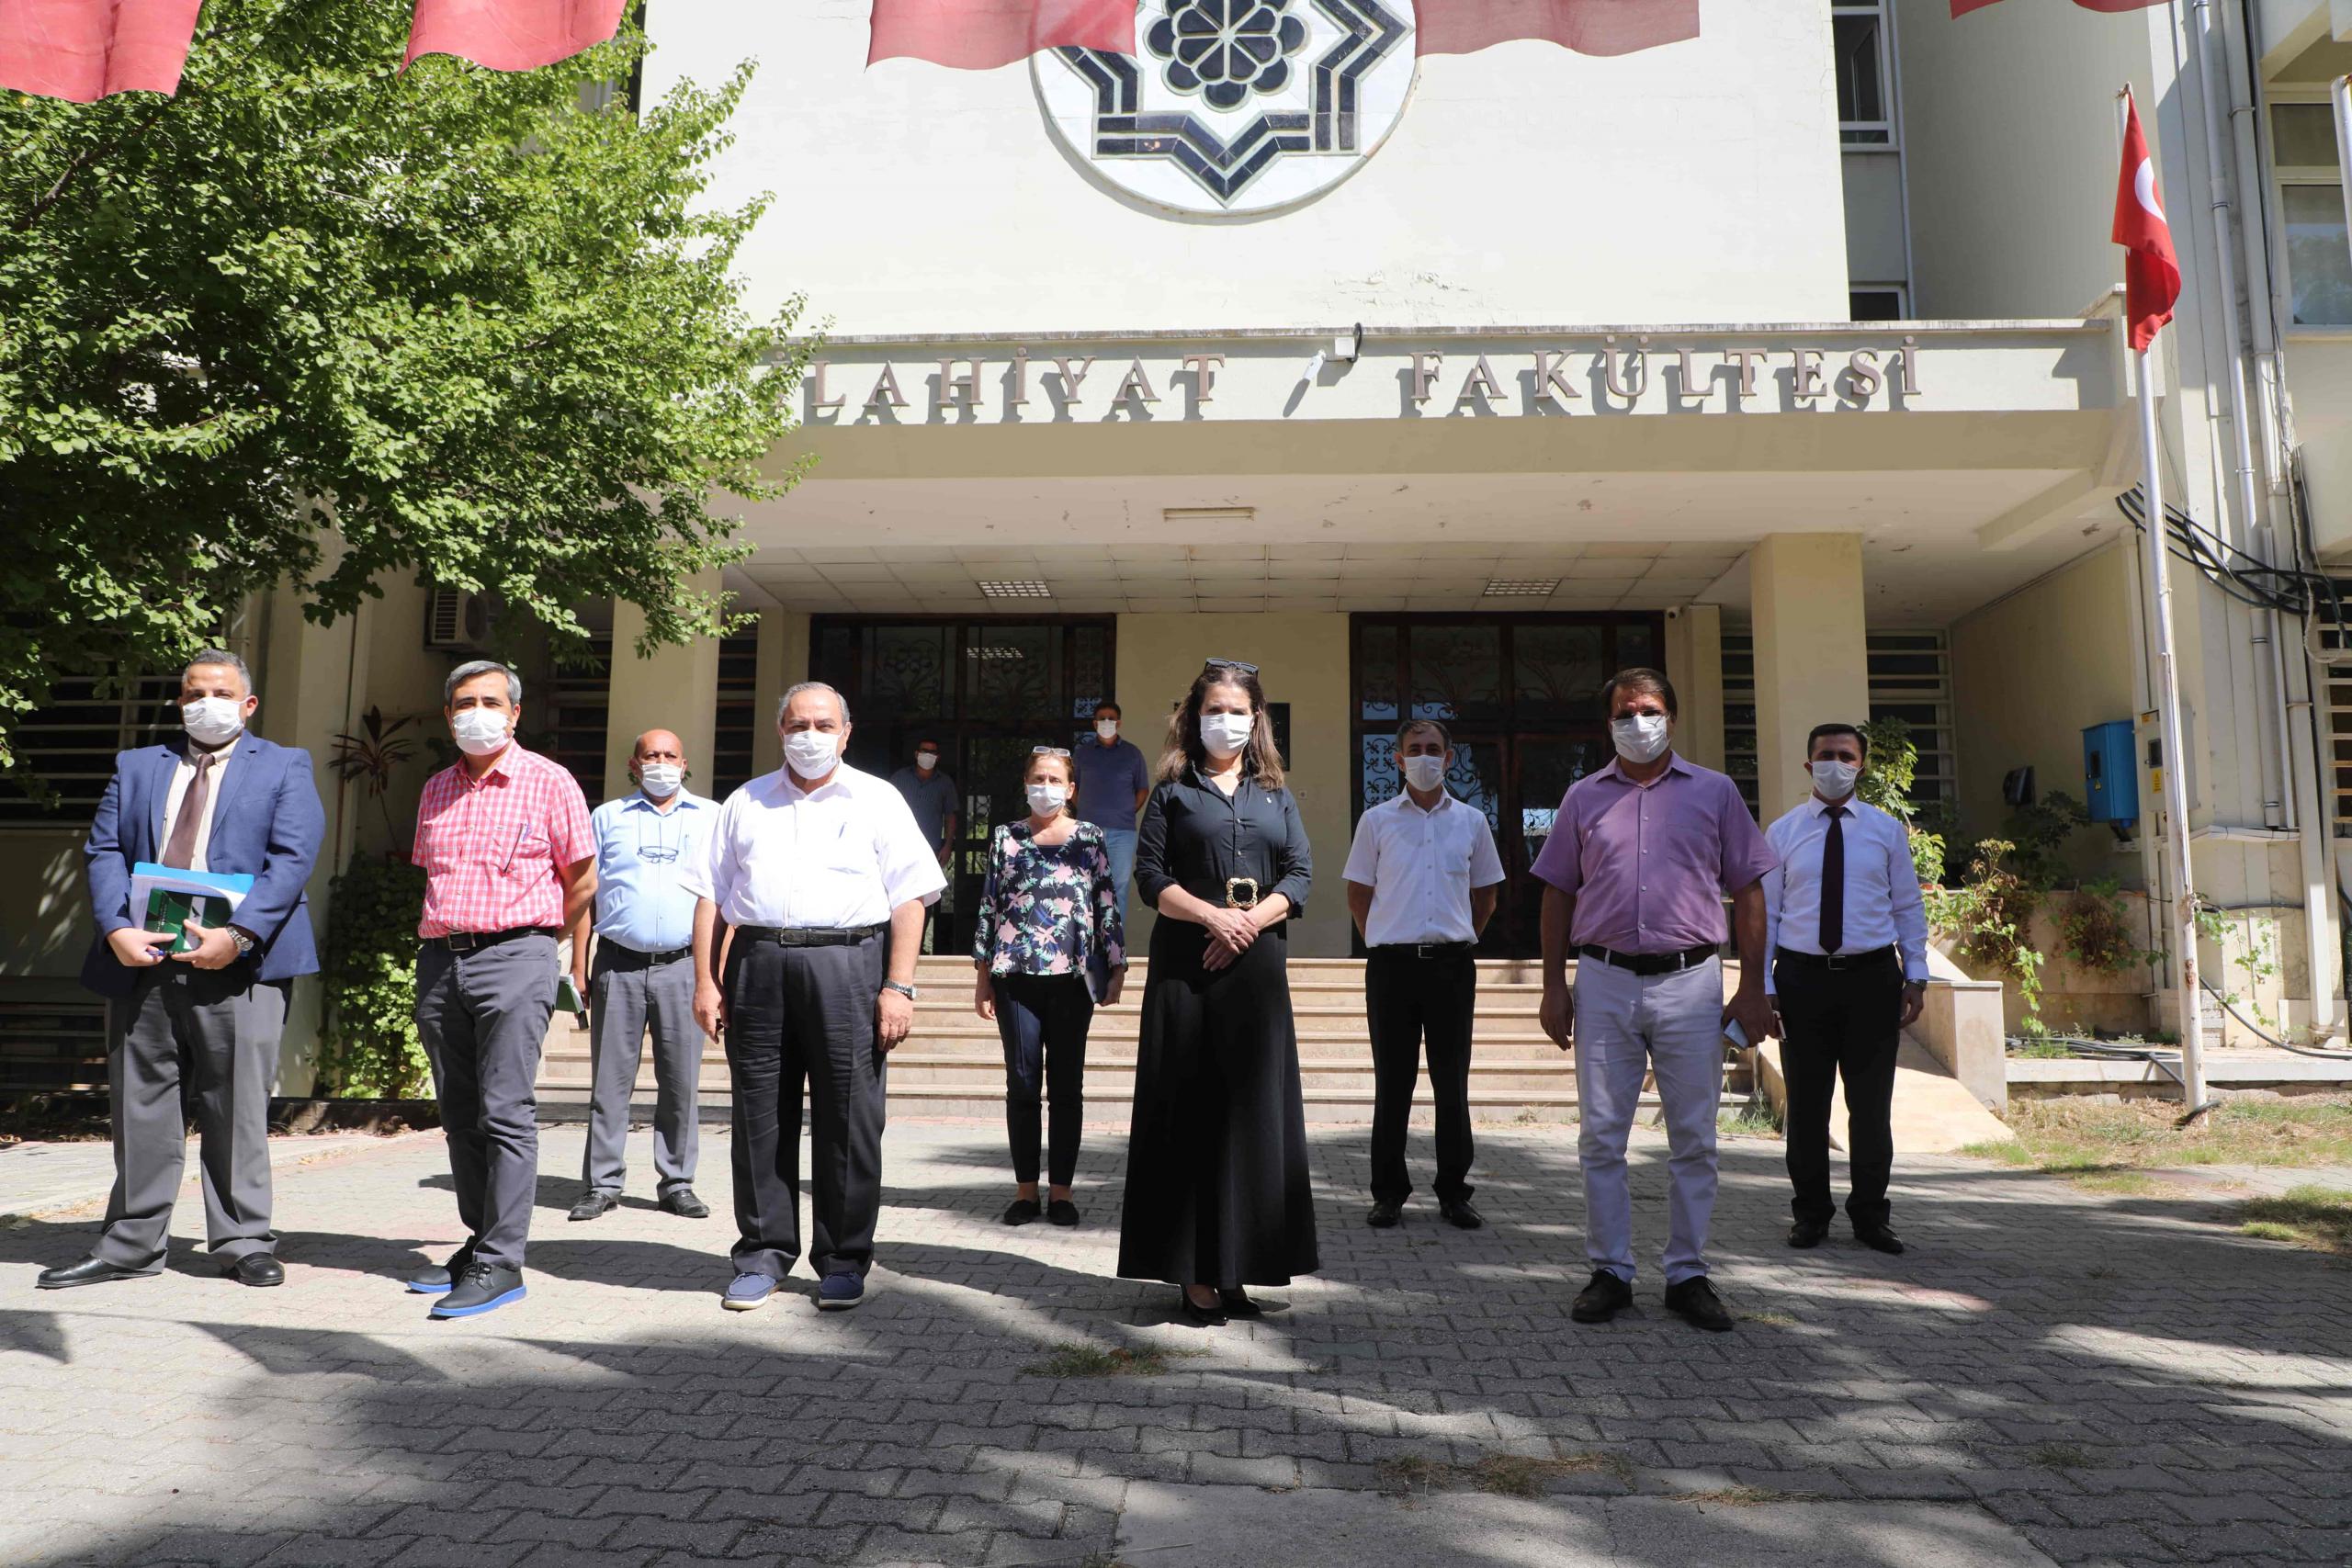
column 370, row 1049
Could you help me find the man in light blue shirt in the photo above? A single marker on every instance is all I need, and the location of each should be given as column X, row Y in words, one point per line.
column 644, row 974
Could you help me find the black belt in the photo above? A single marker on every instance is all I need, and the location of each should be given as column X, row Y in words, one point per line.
column 466, row 942
column 810, row 936
column 614, row 952
column 1426, row 949
column 1835, row 961
column 1651, row 962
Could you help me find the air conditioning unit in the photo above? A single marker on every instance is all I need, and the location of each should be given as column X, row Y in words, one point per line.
column 457, row 620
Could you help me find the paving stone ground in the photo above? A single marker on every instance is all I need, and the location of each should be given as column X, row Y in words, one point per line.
column 2056, row 1373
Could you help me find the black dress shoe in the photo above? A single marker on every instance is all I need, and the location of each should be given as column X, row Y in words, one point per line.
column 1878, row 1238
column 1603, row 1297
column 1238, row 1303
column 1062, row 1212
column 1460, row 1214
column 595, row 1204
column 256, row 1269
column 1695, row 1302
column 1384, row 1215
column 1807, row 1232
column 485, row 1287
column 685, row 1204
column 1198, row 1317
column 91, row 1271
column 1021, row 1211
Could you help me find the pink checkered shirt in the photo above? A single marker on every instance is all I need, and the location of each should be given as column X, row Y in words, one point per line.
column 491, row 848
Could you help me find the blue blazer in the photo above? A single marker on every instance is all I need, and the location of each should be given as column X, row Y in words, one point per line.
column 268, row 824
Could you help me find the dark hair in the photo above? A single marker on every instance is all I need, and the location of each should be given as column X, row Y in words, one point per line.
column 219, row 656
column 1837, row 727
column 1260, row 760
column 1107, row 702
column 1444, row 736
column 1639, row 678
column 1069, row 769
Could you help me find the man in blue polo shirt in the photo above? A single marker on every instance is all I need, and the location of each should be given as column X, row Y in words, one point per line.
column 1114, row 781
column 645, row 974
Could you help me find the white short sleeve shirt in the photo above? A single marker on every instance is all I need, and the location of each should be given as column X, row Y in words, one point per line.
column 841, row 856
column 1421, row 866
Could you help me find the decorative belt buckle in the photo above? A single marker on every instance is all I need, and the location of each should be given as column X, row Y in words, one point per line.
column 1233, row 898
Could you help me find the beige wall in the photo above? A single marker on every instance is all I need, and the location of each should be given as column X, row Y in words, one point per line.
column 2030, row 674
column 1694, row 663
column 674, row 688
column 783, row 662
column 1812, row 653
column 1303, row 660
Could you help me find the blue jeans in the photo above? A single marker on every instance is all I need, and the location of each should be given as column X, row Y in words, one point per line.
column 1121, row 844
column 1041, row 1020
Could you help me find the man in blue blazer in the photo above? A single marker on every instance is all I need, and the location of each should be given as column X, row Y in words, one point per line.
column 218, row 799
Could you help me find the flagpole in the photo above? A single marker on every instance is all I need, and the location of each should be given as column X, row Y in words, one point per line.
column 2175, row 770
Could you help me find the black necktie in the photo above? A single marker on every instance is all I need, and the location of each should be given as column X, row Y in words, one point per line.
column 1832, row 883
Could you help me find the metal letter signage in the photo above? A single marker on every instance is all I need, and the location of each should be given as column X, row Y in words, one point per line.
column 1234, row 107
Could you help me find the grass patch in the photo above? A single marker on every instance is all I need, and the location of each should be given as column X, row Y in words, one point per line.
column 1504, row 1475
column 1742, row 1496
column 1772, row 1318
column 2058, row 1456
column 2069, row 1135
column 1096, row 1361
column 2120, row 1183
column 1756, row 1118
column 2316, row 1217
column 2044, row 1049
column 2008, row 1151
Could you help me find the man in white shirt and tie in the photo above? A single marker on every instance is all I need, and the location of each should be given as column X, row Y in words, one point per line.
column 810, row 900
column 1422, row 880
column 1847, row 929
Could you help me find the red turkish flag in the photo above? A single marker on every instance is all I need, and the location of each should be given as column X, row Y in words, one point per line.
column 510, row 35
column 83, row 50
column 1962, row 7
column 1589, row 27
column 2150, row 268
column 979, row 35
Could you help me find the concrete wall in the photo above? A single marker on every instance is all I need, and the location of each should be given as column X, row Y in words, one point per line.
column 1525, row 184
column 1303, row 660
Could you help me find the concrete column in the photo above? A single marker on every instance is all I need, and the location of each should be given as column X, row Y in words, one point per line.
column 1694, row 663
column 783, row 662
column 1812, row 660
column 676, row 689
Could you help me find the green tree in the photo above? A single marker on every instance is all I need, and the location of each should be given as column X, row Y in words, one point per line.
column 1886, row 783
column 314, row 321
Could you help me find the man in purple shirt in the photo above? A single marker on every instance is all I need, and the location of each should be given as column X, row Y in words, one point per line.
column 1635, row 868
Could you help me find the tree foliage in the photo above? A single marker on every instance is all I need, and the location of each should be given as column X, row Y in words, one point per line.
column 313, row 320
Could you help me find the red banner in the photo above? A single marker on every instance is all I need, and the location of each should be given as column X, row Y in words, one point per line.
column 979, row 35
column 511, row 35
column 83, row 50
column 1588, row 26
column 1962, row 7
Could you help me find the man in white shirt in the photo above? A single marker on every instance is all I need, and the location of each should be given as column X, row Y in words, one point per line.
column 1422, row 880
column 1848, row 930
column 810, row 900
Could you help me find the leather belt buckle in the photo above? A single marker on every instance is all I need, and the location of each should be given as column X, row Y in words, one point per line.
column 461, row 942
column 1234, row 899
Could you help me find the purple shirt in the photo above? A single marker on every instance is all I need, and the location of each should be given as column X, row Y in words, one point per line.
column 1648, row 864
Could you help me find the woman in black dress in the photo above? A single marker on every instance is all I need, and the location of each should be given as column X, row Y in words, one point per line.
column 1217, row 1192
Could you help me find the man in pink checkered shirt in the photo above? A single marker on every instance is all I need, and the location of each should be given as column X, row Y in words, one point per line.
column 510, row 863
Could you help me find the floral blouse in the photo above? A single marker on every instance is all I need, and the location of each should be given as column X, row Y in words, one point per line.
column 1050, row 908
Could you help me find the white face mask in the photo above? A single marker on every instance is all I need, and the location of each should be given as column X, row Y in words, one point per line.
column 1225, row 733
column 1835, row 780
column 1425, row 773
column 926, row 760
column 661, row 779
column 213, row 721
column 1045, row 799
column 1641, row 738
column 479, row 731
column 811, row 752
column 1108, row 729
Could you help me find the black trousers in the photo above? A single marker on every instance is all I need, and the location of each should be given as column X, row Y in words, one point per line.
column 796, row 1017
column 1840, row 1022
column 1043, row 1019
column 1409, row 999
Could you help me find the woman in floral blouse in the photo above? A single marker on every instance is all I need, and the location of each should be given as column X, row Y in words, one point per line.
column 1048, row 947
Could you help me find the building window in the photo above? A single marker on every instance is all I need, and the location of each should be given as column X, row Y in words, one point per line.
column 67, row 745
column 1876, row 302
column 582, row 697
column 736, row 722
column 2310, row 208
column 1858, row 46
column 1910, row 675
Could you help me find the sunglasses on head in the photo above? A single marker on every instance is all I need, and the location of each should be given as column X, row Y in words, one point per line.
column 1228, row 664
column 1049, row 750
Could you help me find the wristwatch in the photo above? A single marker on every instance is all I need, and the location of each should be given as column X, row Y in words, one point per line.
column 906, row 991
column 244, row 944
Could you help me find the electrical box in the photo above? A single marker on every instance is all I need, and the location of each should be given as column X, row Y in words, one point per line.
column 2110, row 773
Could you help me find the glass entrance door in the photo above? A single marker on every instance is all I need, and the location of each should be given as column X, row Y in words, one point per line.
column 987, row 691
column 1520, row 694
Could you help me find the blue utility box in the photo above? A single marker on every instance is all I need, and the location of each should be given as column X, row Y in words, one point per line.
column 2110, row 773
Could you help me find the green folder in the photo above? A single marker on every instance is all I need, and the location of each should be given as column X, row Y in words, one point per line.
column 166, row 910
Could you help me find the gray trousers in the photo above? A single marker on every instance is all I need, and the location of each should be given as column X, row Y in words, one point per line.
column 1669, row 1025
column 483, row 1016
column 191, row 1039
column 625, row 994
column 796, row 1016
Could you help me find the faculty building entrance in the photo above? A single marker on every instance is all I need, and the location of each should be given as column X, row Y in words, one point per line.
column 1520, row 694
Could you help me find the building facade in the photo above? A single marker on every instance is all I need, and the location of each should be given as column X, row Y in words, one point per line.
column 1785, row 358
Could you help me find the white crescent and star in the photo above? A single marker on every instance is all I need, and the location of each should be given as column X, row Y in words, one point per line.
column 2143, row 191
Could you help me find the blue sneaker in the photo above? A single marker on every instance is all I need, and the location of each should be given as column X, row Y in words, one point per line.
column 427, row 1280
column 839, row 1292
column 484, row 1287
column 748, row 1292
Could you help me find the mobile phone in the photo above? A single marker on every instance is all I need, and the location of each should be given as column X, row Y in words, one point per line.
column 1734, row 1032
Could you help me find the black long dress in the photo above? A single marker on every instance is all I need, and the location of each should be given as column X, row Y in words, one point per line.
column 1217, row 1188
